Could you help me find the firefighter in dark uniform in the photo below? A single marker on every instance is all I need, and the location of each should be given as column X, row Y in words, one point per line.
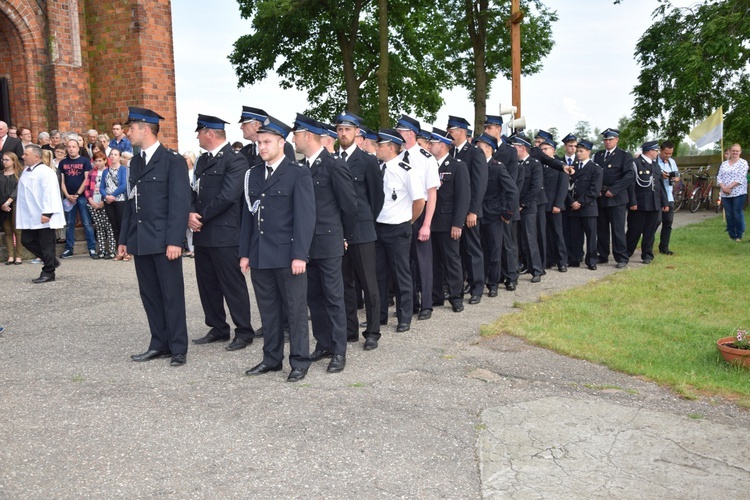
column 651, row 199
column 473, row 257
column 358, row 263
column 153, row 228
column 617, row 178
column 583, row 210
column 335, row 218
column 556, row 191
column 528, row 196
column 251, row 121
column 500, row 202
column 278, row 223
column 451, row 209
column 570, row 142
column 215, row 215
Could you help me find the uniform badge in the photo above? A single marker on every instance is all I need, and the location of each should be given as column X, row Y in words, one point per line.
column 648, row 171
column 254, row 208
column 609, row 166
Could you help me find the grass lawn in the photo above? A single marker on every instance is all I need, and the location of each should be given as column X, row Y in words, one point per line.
column 660, row 321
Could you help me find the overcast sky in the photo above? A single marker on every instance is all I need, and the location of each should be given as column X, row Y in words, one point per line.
column 588, row 75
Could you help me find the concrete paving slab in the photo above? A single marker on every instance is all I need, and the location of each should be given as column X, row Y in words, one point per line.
column 570, row 448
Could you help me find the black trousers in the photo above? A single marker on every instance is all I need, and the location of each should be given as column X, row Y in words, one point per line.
column 541, row 233
column 421, row 267
column 527, row 236
column 41, row 242
column 580, row 227
column 114, row 212
column 274, row 287
column 566, row 233
column 473, row 258
column 492, row 243
column 162, row 288
column 392, row 251
column 446, row 266
column 642, row 223
column 219, row 278
column 325, row 298
column 509, row 257
column 667, row 218
column 557, row 251
column 358, row 264
column 611, row 219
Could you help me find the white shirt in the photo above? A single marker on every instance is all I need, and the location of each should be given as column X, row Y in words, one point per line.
column 407, row 185
column 150, row 151
column 349, row 152
column 38, row 193
column 314, row 157
column 426, row 166
column 216, row 151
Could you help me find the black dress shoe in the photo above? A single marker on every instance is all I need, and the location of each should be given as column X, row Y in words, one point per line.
column 536, row 278
column 149, row 355
column 574, row 264
column 296, row 374
column 337, row 364
column 403, row 327
column 370, row 344
column 562, row 269
column 178, row 360
column 475, row 299
column 467, row 289
column 666, row 252
column 592, row 267
column 603, row 261
column 457, row 305
column 44, row 278
column 416, row 310
column 258, row 333
column 260, row 369
column 383, row 323
column 209, row 339
column 425, row 314
column 621, row 265
column 523, row 270
column 318, row 355
column 510, row 286
column 238, row 343
column 647, row 261
column 492, row 292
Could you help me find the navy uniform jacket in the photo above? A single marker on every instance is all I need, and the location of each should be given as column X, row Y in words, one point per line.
column 556, row 187
column 453, row 195
column 476, row 162
column 548, row 161
column 335, row 206
column 508, row 156
column 653, row 197
column 156, row 212
column 368, row 186
column 217, row 197
column 587, row 184
column 617, row 176
column 282, row 227
column 501, row 198
column 532, row 183
column 254, row 159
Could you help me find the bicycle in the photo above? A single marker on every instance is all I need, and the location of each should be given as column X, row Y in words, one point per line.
column 703, row 190
column 680, row 190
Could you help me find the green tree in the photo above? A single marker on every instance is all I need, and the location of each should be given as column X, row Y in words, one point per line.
column 331, row 50
column 482, row 49
column 694, row 60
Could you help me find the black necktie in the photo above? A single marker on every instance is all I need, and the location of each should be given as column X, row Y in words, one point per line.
column 570, row 161
column 269, row 171
column 606, row 155
column 344, row 155
column 209, row 155
column 307, row 163
column 143, row 155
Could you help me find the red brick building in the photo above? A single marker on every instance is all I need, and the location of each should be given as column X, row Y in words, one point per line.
column 72, row 65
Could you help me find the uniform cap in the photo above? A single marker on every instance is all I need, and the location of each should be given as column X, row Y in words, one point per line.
column 142, row 115
column 610, row 133
column 439, row 135
column 274, row 126
column 650, row 146
column 487, row 139
column 207, row 121
column 256, row 114
column 583, row 143
column 408, row 123
column 493, row 120
column 569, row 138
column 520, row 139
column 350, row 119
column 390, row 135
column 369, row 133
column 544, row 135
column 306, row 124
column 457, row 122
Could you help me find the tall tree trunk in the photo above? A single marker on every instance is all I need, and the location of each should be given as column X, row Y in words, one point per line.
column 476, row 16
column 383, row 69
column 350, row 77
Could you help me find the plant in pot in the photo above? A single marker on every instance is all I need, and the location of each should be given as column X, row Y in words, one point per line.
column 736, row 350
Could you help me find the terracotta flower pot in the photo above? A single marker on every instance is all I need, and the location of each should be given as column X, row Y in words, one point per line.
column 740, row 357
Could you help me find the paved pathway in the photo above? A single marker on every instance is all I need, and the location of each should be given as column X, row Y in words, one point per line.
column 436, row 412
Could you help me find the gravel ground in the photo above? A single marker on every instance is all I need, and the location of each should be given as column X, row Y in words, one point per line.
column 428, row 414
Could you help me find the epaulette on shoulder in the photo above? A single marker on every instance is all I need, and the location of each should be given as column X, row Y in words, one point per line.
column 173, row 152
column 404, row 165
column 425, row 153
